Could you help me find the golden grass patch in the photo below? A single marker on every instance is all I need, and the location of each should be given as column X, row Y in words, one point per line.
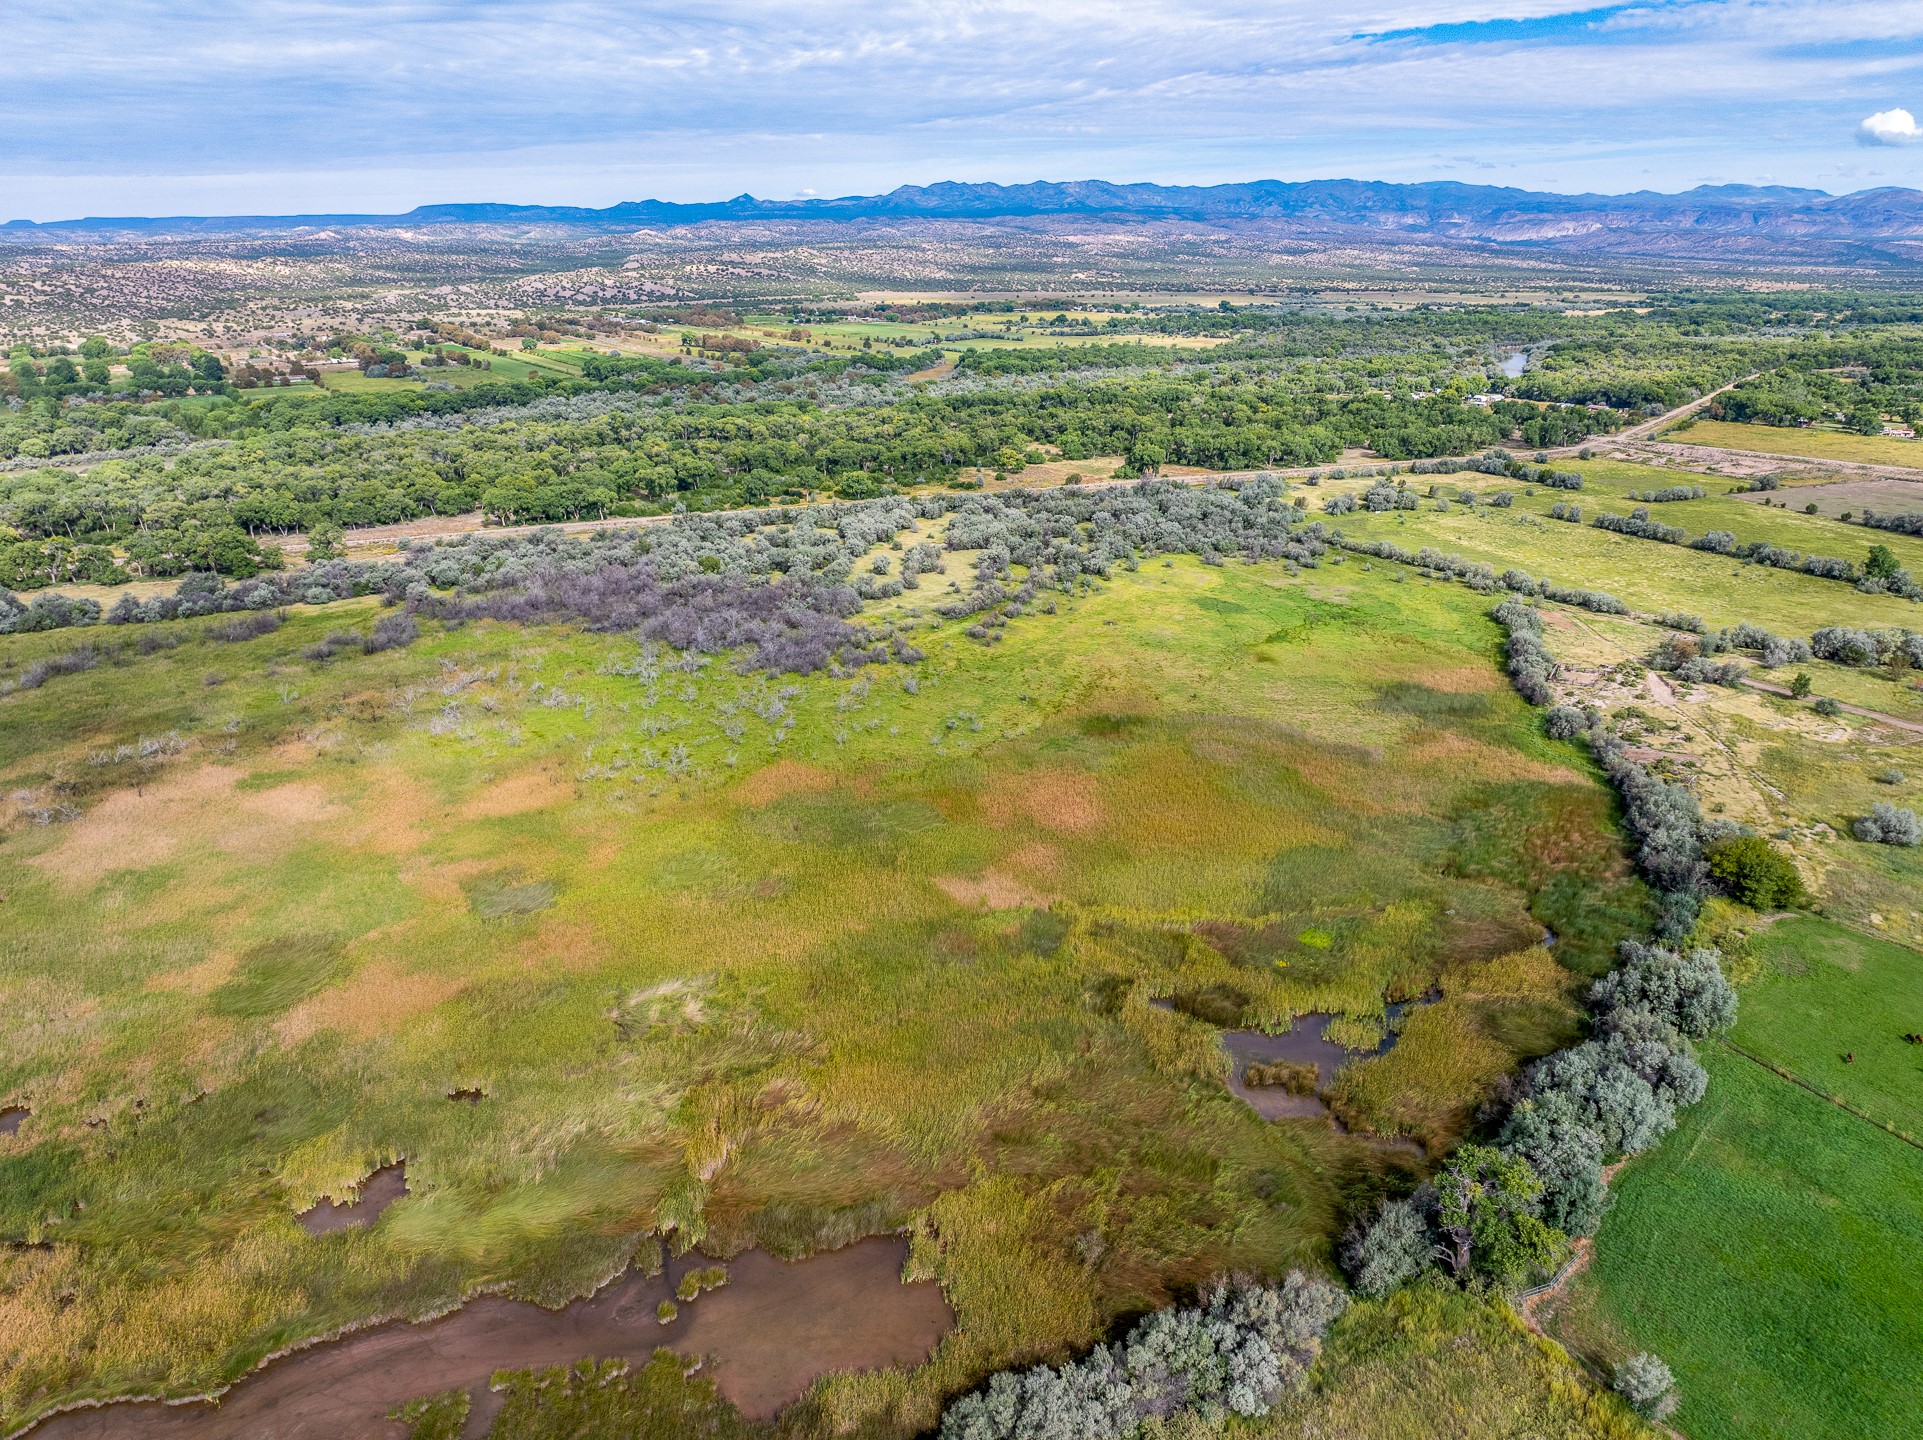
column 194, row 979
column 1490, row 762
column 378, row 1000
column 517, row 794
column 142, row 827
column 993, row 890
column 1065, row 801
column 783, row 778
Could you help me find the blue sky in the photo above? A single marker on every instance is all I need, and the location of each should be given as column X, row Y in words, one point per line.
column 189, row 106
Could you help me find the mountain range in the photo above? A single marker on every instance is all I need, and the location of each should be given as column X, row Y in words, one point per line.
column 1888, row 221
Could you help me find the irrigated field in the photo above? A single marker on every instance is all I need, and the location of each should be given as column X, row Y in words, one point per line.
column 746, row 961
column 1765, row 1251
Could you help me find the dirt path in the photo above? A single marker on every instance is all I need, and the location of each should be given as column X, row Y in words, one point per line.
column 1681, row 412
column 1913, row 726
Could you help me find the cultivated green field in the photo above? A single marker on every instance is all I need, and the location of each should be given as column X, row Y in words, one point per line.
column 1648, row 575
column 1764, row 1252
column 1826, row 993
column 745, row 961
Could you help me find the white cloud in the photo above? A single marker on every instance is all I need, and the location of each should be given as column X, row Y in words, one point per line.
column 1891, row 127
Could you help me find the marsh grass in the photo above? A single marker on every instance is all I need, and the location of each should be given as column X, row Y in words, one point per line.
column 864, row 956
column 1428, row 1363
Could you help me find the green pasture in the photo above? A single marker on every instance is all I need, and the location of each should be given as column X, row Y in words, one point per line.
column 1646, row 574
column 1765, row 1251
column 751, row 960
column 1824, row 993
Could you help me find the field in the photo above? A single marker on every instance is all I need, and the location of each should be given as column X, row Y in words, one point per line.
column 1650, row 576
column 630, row 956
column 751, row 963
column 1762, row 1251
column 1813, row 443
column 1428, row 1364
column 555, row 364
column 1826, row 993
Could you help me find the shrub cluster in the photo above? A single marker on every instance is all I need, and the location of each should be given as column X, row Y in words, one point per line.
column 1235, row 1354
column 1668, row 493
column 1530, row 664
column 1886, row 824
column 1638, row 523
column 1907, row 523
column 1846, row 646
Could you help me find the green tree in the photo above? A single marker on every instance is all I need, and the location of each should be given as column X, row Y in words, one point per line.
column 94, row 348
column 324, row 541
column 1756, row 872
column 1882, row 563
column 1865, row 421
column 1487, row 1204
column 1800, row 686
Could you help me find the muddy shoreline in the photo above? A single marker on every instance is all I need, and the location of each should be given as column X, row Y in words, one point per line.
column 767, row 1335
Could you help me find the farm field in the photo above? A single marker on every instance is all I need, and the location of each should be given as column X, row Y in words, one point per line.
column 1757, row 1251
column 1825, row 993
column 1812, row 443
column 885, row 953
column 1651, row 576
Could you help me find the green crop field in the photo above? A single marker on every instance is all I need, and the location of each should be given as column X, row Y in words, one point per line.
column 893, row 940
column 1648, row 575
column 1812, row 443
column 1827, row 993
column 1764, row 1252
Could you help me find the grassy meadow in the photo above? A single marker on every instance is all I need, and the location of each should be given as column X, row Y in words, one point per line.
column 739, row 960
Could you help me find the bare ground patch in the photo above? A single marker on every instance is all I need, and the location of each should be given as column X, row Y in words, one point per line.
column 1847, row 496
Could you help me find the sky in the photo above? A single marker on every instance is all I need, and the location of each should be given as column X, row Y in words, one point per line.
column 166, row 107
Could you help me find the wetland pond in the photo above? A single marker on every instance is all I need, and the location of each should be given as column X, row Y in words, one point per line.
column 768, row 1333
column 1305, row 1043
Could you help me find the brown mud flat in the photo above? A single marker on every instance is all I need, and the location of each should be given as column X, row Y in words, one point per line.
column 11, row 1116
column 377, row 1192
column 768, row 1334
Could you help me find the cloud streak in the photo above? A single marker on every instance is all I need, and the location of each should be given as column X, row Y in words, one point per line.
column 370, row 103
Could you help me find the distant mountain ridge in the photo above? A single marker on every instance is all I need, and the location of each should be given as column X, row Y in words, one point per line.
column 1721, row 215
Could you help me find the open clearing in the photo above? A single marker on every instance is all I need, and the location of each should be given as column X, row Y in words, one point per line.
column 1812, row 443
